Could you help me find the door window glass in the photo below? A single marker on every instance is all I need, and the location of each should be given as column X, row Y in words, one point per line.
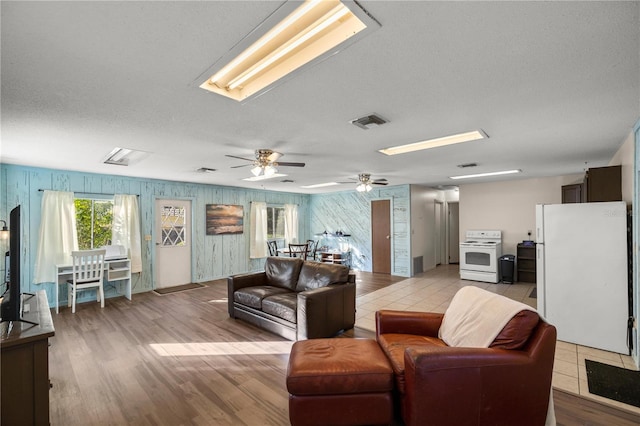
column 174, row 224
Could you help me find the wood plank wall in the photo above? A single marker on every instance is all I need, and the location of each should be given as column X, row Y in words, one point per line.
column 214, row 256
column 350, row 212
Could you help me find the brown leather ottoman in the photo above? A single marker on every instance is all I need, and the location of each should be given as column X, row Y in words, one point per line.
column 339, row 381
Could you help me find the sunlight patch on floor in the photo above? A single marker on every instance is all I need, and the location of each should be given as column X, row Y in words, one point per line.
column 221, row 348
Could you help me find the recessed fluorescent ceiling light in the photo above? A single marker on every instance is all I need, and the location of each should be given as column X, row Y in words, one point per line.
column 264, row 177
column 434, row 143
column 124, row 156
column 504, row 172
column 295, row 35
column 320, row 185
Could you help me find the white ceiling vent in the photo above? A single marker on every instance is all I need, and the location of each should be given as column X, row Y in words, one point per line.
column 369, row 121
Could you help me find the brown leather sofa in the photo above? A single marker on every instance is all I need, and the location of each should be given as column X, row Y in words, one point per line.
column 295, row 299
column 507, row 383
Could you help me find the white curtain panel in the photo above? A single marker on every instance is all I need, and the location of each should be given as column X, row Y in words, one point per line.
column 58, row 237
column 125, row 230
column 258, row 230
column 290, row 223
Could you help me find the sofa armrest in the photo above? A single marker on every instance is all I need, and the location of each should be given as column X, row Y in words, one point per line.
column 324, row 311
column 236, row 282
column 406, row 322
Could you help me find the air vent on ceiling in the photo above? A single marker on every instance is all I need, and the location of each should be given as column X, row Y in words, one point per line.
column 286, row 181
column 206, row 170
column 369, row 121
column 464, row 166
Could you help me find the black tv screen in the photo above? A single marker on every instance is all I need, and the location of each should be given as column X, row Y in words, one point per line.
column 10, row 309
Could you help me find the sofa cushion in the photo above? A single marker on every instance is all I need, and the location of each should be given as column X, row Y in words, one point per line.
column 394, row 345
column 282, row 306
column 252, row 296
column 515, row 334
column 283, row 271
column 316, row 275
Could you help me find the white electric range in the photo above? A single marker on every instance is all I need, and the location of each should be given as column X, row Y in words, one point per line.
column 479, row 255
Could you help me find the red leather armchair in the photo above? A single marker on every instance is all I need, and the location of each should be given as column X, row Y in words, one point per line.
column 441, row 385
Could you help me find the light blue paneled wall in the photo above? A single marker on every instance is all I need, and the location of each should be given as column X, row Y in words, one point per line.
column 350, row 212
column 214, row 256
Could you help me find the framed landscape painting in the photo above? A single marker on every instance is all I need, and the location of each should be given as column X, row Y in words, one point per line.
column 224, row 219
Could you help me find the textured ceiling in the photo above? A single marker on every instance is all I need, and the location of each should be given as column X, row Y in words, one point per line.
column 554, row 84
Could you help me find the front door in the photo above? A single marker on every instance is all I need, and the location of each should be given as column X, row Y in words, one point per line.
column 381, row 236
column 173, row 243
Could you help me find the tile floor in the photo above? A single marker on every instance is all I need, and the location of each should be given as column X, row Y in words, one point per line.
column 433, row 290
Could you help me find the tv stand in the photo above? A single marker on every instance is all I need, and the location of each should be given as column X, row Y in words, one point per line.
column 24, row 375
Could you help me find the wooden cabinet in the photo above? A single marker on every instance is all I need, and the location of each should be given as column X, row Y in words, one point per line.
column 572, row 193
column 526, row 263
column 25, row 365
column 603, row 184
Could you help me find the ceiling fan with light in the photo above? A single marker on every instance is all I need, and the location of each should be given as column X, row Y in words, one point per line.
column 365, row 183
column 266, row 162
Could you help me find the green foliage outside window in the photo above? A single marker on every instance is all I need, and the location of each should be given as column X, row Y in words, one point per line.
column 275, row 222
column 93, row 222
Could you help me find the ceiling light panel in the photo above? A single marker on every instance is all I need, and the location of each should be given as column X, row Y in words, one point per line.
column 295, row 35
column 124, row 156
column 437, row 142
column 264, row 177
column 503, row 172
column 320, row 185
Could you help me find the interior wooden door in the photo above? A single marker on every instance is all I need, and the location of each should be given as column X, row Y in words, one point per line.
column 381, row 236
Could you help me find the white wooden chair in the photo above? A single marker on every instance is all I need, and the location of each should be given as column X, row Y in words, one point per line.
column 88, row 272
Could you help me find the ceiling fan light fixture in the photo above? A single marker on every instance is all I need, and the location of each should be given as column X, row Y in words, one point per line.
column 257, row 171
column 295, row 35
column 270, row 170
column 437, row 142
column 364, row 187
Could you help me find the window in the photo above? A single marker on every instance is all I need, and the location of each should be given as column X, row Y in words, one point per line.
column 93, row 221
column 173, row 220
column 275, row 223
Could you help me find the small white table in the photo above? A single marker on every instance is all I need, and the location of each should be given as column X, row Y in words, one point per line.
column 118, row 271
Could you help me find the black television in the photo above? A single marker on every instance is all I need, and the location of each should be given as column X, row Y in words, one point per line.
column 10, row 310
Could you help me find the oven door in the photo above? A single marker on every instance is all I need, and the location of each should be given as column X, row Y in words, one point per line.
column 478, row 258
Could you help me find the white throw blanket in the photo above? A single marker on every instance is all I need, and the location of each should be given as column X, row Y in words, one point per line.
column 474, row 319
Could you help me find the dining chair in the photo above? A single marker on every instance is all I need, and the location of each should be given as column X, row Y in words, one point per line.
column 273, row 248
column 87, row 272
column 313, row 248
column 299, row 250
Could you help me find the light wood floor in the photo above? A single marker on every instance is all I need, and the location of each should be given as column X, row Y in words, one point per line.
column 178, row 359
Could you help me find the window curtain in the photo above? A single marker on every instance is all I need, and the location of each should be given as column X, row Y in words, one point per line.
column 258, row 230
column 57, row 237
column 125, row 230
column 290, row 223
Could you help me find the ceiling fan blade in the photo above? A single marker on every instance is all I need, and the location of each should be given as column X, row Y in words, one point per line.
column 384, row 181
column 239, row 158
column 291, row 164
column 242, row 165
column 274, row 156
column 379, row 183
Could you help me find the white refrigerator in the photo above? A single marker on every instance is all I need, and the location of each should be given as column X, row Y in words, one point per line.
column 582, row 281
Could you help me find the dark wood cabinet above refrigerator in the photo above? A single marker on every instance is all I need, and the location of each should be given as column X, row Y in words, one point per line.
column 600, row 184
